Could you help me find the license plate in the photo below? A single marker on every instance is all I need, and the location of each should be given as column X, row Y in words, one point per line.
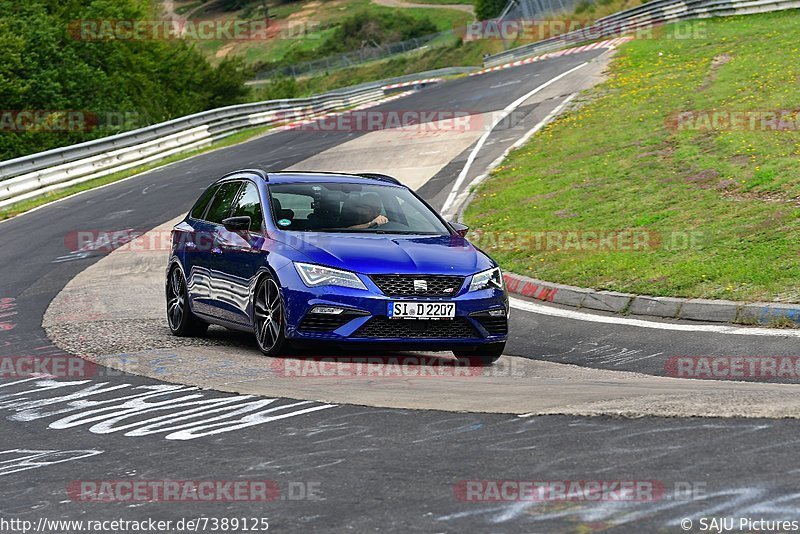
column 422, row 310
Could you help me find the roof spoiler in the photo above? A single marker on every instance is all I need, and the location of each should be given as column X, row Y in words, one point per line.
column 381, row 177
column 260, row 173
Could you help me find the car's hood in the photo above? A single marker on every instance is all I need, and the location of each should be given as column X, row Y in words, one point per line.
column 390, row 254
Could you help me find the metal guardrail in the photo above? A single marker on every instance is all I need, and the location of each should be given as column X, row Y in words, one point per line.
column 357, row 57
column 654, row 13
column 36, row 174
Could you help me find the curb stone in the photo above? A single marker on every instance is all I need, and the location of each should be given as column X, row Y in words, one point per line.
column 767, row 312
column 666, row 307
column 717, row 311
column 706, row 310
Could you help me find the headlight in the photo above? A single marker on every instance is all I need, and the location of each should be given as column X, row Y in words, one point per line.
column 317, row 275
column 486, row 279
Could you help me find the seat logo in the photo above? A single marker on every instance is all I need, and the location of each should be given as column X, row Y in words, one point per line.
column 420, row 285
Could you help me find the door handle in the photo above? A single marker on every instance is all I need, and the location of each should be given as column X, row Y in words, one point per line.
column 216, row 250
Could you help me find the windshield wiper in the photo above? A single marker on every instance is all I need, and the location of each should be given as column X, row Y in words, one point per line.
column 403, row 232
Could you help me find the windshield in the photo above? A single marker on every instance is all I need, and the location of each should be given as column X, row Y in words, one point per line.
column 341, row 207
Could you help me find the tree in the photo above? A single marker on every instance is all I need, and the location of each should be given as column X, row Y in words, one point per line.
column 489, row 9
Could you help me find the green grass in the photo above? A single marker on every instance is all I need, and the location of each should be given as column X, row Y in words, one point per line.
column 444, row 19
column 616, row 164
column 26, row 205
column 443, row 2
column 324, row 16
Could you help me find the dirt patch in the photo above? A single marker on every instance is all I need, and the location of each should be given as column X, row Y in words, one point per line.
column 565, row 214
column 535, row 198
column 307, row 11
column 742, row 160
column 713, row 70
column 775, row 220
column 225, row 50
column 703, row 178
column 661, row 153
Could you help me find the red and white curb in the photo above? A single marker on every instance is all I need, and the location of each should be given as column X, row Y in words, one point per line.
column 608, row 43
column 411, row 83
column 528, row 287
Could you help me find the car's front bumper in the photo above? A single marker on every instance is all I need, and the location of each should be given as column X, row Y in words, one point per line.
column 366, row 323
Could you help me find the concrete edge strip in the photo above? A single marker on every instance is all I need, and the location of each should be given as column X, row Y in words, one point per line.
column 706, row 310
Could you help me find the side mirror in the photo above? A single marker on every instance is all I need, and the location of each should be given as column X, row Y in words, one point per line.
column 237, row 224
column 461, row 229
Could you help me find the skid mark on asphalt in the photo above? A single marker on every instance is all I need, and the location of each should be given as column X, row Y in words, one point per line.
column 634, row 454
column 177, row 412
column 593, row 352
column 16, row 460
column 751, row 501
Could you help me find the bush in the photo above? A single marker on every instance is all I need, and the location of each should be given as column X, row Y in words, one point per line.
column 45, row 67
column 489, row 9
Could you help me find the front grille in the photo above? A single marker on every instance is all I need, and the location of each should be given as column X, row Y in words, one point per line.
column 494, row 325
column 382, row 327
column 402, row 285
column 322, row 322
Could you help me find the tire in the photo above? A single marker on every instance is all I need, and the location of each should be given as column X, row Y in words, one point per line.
column 269, row 319
column 482, row 356
column 182, row 322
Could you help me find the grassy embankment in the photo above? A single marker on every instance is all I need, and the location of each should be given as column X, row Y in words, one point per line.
column 619, row 163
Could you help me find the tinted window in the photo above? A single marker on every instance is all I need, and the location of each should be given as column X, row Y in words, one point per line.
column 249, row 204
column 223, row 200
column 342, row 207
column 200, row 206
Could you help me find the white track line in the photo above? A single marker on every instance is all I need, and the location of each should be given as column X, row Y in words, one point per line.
column 463, row 195
column 542, row 309
column 505, row 113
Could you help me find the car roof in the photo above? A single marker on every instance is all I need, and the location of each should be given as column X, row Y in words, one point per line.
column 288, row 177
column 336, row 177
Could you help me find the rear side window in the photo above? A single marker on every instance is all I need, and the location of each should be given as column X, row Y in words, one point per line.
column 249, row 204
column 199, row 208
column 221, row 205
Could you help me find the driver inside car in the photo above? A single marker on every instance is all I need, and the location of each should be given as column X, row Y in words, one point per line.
column 368, row 211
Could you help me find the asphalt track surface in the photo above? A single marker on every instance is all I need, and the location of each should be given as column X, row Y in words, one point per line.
column 372, row 469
